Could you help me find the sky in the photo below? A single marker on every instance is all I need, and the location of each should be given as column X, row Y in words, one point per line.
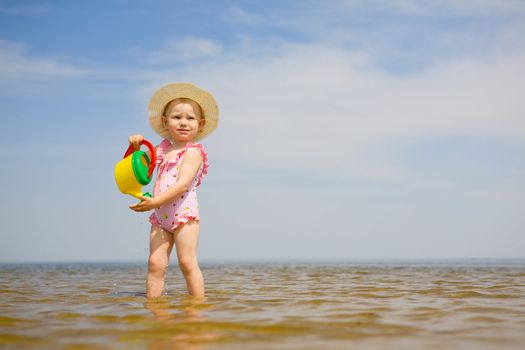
column 381, row 129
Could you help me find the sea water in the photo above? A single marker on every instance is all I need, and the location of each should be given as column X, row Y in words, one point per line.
column 349, row 305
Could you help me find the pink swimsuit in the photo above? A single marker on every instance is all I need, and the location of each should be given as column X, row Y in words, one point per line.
column 185, row 207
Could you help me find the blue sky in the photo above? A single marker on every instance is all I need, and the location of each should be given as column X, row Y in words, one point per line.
column 349, row 129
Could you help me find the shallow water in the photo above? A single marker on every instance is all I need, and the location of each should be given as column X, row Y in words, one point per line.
column 266, row 306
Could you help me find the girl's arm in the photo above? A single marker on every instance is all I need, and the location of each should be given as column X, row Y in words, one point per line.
column 188, row 170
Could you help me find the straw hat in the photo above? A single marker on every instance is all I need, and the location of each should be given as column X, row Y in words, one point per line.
column 167, row 93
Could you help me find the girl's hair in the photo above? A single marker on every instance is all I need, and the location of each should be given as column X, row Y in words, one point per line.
column 186, row 100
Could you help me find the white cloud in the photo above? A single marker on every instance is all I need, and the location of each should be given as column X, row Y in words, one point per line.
column 15, row 63
column 398, row 35
column 240, row 16
column 325, row 108
column 434, row 8
column 186, row 49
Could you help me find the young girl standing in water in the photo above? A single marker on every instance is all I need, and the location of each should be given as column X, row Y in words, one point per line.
column 182, row 114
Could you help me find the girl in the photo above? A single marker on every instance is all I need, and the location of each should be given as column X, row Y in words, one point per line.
column 181, row 113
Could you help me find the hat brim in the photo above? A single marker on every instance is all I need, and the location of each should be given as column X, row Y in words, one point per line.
column 170, row 92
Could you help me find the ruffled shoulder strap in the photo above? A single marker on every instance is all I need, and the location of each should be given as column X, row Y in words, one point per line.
column 161, row 150
column 204, row 166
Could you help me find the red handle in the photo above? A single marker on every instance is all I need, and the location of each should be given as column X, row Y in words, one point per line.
column 152, row 153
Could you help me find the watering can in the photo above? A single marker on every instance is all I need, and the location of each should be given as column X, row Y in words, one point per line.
column 135, row 170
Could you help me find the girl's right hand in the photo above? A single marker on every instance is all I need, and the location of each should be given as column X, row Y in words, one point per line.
column 135, row 140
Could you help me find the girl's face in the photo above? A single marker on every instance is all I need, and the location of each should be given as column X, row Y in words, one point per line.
column 183, row 120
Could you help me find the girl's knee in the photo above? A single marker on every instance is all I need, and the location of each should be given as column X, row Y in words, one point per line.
column 157, row 264
column 188, row 264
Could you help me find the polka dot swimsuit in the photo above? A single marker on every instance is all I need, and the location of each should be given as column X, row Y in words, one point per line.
column 185, row 207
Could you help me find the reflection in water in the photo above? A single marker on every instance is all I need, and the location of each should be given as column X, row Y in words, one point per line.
column 179, row 323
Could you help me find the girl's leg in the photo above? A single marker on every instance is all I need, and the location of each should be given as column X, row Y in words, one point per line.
column 186, row 241
column 160, row 246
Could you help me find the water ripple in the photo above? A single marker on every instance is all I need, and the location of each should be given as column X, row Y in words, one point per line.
column 265, row 306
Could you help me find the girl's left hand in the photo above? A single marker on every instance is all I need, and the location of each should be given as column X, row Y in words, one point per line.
column 146, row 204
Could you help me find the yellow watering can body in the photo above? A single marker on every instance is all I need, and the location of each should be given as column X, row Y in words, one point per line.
column 135, row 171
